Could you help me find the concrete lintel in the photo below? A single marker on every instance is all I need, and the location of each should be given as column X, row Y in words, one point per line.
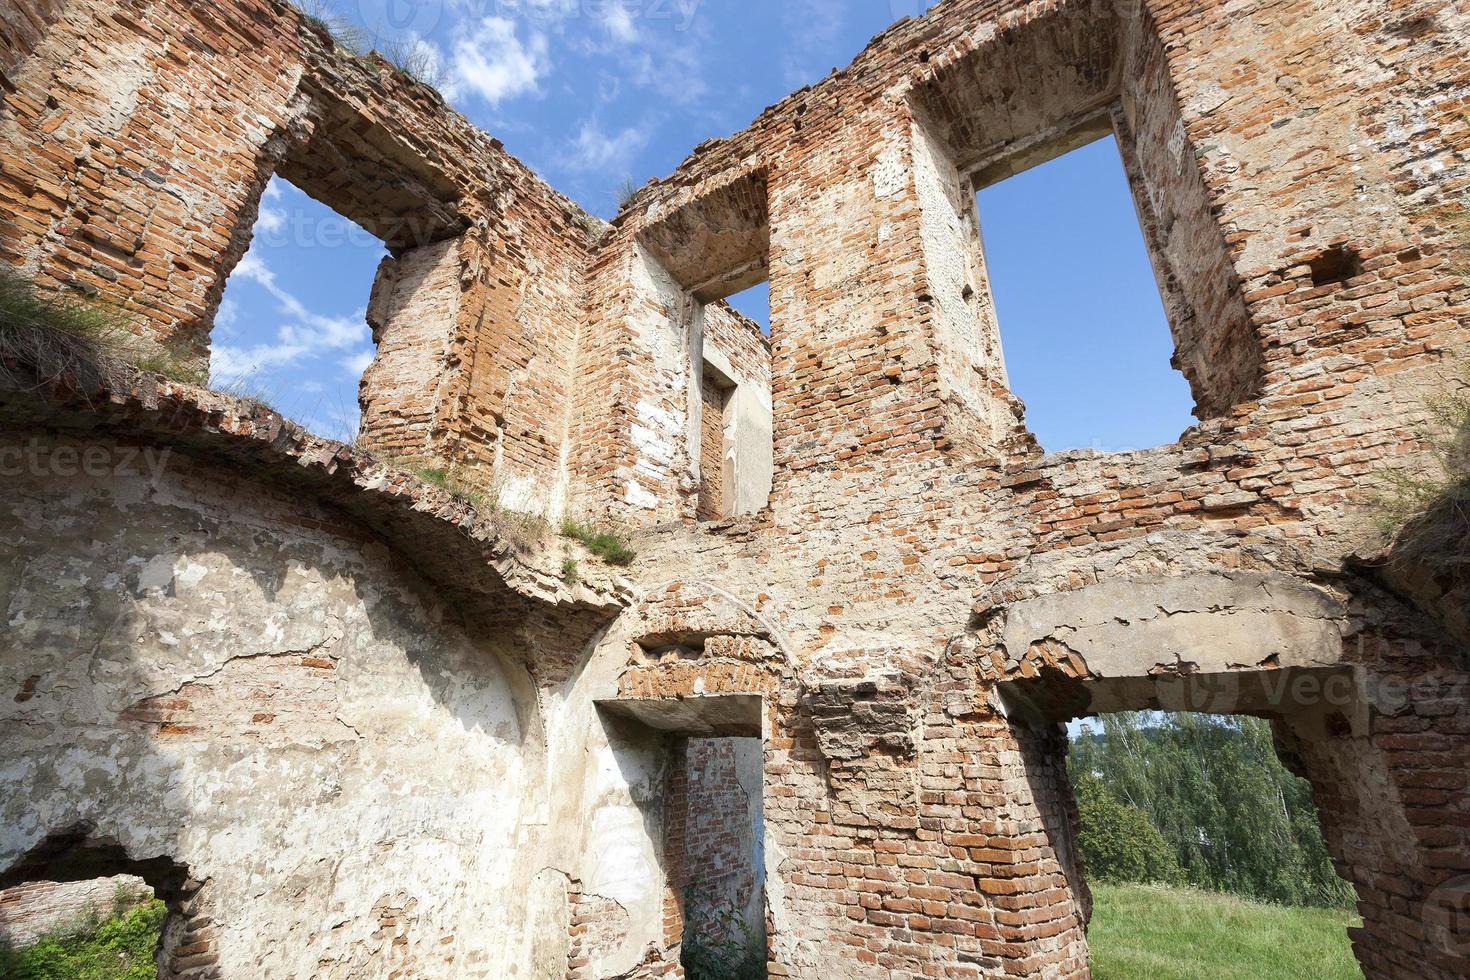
column 714, row 716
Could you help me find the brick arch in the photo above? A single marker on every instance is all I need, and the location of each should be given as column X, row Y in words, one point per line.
column 1363, row 703
column 186, row 947
column 692, row 607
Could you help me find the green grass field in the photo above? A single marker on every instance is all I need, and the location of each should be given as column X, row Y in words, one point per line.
column 1146, row 932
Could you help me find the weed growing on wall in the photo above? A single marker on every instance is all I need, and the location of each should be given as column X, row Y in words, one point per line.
column 117, row 948
column 48, row 338
column 1427, row 512
column 627, row 190
column 733, row 952
column 604, row 544
column 345, row 34
column 414, row 59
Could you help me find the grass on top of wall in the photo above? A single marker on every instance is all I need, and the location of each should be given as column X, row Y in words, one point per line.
column 1427, row 512
column 606, row 545
column 521, row 531
column 117, row 948
column 52, row 337
column 1154, row 932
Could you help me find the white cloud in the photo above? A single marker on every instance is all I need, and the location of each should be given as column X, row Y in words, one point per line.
column 619, row 23
column 595, row 150
column 355, row 364
column 674, row 69
column 269, row 221
column 303, row 336
column 541, row 10
column 818, row 24
column 226, row 318
column 495, row 64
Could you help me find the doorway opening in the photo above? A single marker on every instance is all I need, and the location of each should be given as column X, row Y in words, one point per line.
column 710, row 820
column 716, row 831
column 1203, row 851
column 55, row 928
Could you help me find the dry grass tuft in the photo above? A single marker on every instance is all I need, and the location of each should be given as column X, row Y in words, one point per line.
column 415, row 59
column 1427, row 514
column 345, row 34
column 47, row 339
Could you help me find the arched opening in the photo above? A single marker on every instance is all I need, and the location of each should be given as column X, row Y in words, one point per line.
column 1271, row 646
column 74, row 863
column 1202, row 850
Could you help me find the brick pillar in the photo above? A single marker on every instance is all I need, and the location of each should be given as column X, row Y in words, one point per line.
column 676, row 873
column 853, row 368
column 414, row 313
column 635, row 381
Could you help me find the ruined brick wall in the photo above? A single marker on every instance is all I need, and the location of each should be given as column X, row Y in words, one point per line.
column 414, row 310
column 1237, row 145
column 926, row 595
column 97, row 122
column 113, row 188
column 22, row 24
column 39, row 908
column 722, row 838
column 255, row 663
column 739, row 340
column 712, row 397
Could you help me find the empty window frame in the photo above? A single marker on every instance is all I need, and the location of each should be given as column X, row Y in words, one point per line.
column 1086, row 337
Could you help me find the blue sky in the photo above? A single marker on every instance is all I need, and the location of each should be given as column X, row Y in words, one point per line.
column 1086, row 339
column 594, row 93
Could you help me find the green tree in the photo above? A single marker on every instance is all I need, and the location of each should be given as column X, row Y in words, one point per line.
column 1235, row 819
column 1117, row 841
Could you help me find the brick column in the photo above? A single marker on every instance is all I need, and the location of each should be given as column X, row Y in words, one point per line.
column 676, row 874
column 854, row 368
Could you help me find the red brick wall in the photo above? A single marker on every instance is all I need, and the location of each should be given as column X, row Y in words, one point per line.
column 722, row 851
column 711, row 449
column 926, row 831
column 38, row 908
column 110, row 188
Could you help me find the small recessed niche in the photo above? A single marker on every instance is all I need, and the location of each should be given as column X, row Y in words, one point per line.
column 1335, row 265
